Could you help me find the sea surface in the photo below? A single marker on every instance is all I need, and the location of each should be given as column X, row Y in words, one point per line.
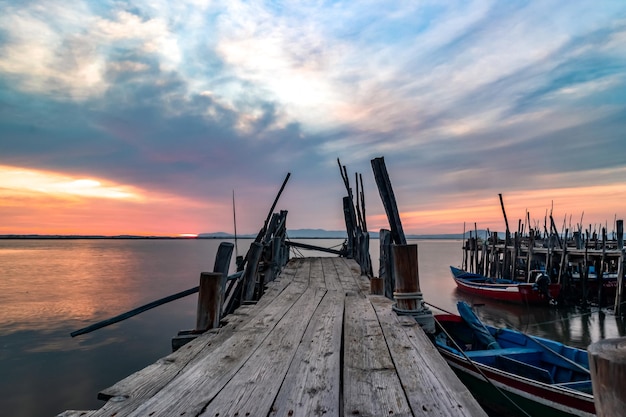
column 49, row 288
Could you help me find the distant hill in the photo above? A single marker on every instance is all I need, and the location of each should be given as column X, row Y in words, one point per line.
column 329, row 234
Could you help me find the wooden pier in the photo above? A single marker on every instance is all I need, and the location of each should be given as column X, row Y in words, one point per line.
column 302, row 337
column 317, row 343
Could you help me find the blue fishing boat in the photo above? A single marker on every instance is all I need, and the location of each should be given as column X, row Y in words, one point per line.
column 512, row 372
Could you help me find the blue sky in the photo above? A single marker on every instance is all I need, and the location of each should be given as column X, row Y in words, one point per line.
column 143, row 117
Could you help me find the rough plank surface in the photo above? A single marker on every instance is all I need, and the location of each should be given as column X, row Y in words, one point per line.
column 371, row 385
column 430, row 385
column 312, row 384
column 316, row 344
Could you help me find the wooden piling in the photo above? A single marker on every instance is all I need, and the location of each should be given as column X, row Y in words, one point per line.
column 377, row 286
column 408, row 295
column 607, row 363
column 209, row 301
column 405, row 271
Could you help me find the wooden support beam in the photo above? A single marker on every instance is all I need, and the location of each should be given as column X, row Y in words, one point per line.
column 313, row 247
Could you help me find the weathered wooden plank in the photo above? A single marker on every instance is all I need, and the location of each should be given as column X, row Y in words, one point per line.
column 330, row 275
column 76, row 413
column 168, row 367
column 371, row 386
column 244, row 330
column 316, row 277
column 312, row 385
column 346, row 270
column 208, row 373
column 351, row 267
column 431, row 387
column 254, row 387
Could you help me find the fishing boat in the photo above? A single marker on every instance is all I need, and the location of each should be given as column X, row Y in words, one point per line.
column 512, row 372
column 540, row 291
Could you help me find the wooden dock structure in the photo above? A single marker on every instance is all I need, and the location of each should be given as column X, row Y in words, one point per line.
column 589, row 266
column 316, row 344
column 317, row 336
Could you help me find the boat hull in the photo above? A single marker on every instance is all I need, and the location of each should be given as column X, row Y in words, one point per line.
column 536, row 396
column 534, row 399
column 513, row 292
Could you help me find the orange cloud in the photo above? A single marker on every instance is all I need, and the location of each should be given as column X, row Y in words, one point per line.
column 45, row 202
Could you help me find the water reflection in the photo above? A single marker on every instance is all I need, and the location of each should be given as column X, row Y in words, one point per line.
column 50, row 288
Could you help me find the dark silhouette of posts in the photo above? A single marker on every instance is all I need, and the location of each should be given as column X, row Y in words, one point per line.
column 619, row 294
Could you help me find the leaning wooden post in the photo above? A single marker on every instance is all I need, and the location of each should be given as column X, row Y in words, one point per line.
column 389, row 200
column 250, row 273
column 408, row 296
column 209, row 301
column 350, row 226
column 607, row 363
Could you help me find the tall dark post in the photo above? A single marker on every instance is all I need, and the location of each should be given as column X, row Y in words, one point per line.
column 389, row 200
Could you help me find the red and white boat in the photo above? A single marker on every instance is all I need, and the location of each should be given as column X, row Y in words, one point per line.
column 541, row 291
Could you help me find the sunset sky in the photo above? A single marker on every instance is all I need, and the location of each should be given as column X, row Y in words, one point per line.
column 143, row 117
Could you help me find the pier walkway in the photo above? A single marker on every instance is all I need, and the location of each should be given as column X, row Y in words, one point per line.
column 316, row 344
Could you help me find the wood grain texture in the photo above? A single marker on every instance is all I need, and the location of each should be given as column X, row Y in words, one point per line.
column 312, row 385
column 254, row 387
column 316, row 344
column 148, row 385
column 431, row 387
column 371, row 386
column 346, row 271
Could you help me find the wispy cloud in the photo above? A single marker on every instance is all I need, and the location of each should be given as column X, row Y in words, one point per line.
column 195, row 98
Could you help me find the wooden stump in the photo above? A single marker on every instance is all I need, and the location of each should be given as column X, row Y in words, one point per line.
column 209, row 301
column 607, row 362
column 405, row 272
column 377, row 286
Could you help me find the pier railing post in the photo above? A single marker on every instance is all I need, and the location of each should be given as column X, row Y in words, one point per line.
column 408, row 296
column 607, row 363
column 209, row 301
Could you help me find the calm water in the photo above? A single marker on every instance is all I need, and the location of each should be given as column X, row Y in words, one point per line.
column 49, row 288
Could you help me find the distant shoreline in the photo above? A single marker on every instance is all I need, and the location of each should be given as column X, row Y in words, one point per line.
column 246, row 237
